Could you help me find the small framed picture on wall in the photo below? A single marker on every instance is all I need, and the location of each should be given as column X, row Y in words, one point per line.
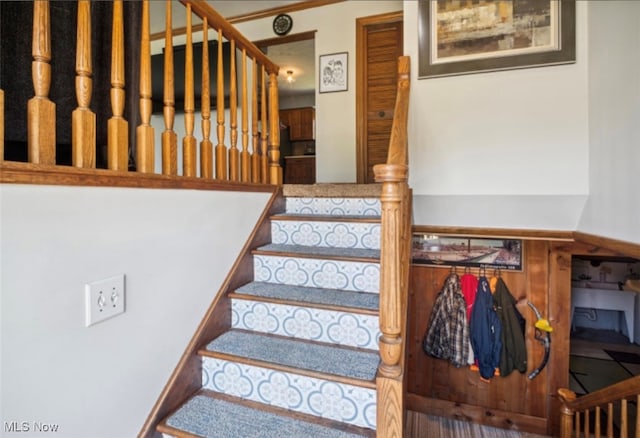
column 333, row 72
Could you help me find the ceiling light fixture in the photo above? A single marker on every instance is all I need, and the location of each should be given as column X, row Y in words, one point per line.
column 290, row 78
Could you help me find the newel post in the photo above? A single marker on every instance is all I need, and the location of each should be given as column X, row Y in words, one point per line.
column 393, row 177
column 390, row 409
column 566, row 412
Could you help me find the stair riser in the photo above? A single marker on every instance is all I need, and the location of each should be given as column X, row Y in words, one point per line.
column 330, row 326
column 314, row 396
column 332, row 274
column 326, row 234
column 334, row 206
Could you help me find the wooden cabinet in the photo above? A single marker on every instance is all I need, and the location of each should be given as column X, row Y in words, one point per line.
column 300, row 169
column 300, row 121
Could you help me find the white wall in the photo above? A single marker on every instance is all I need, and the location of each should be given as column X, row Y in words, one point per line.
column 613, row 208
column 500, row 149
column 335, row 112
column 175, row 247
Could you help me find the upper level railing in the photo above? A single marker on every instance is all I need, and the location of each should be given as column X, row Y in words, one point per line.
column 245, row 153
column 582, row 416
column 395, row 254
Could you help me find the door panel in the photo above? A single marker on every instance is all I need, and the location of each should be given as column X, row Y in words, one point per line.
column 379, row 45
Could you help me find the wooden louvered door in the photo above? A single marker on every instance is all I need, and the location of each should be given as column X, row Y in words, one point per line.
column 379, row 44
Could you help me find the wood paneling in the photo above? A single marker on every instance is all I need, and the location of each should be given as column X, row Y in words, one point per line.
column 521, row 403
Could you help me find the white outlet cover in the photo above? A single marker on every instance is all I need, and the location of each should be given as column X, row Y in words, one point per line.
column 104, row 299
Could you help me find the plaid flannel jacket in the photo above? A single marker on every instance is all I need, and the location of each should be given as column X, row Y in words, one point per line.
column 447, row 335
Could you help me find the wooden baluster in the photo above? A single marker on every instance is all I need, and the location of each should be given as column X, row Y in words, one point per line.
column 117, row 126
column 637, row 417
column 189, row 141
column 275, row 171
column 221, row 150
column 587, row 431
column 264, row 161
column 245, row 157
column 144, row 132
column 255, row 156
column 169, row 137
column 577, row 419
column 609, row 420
column 624, row 427
column 1, row 124
column 41, row 112
column 596, row 427
column 83, row 120
column 206, row 147
column 233, row 110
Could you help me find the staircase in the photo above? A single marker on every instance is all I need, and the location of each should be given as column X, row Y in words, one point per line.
column 301, row 356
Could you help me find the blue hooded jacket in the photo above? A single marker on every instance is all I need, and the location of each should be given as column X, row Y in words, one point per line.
column 486, row 331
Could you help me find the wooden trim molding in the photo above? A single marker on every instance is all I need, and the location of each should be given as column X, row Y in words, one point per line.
column 293, row 7
column 28, row 173
column 476, row 414
column 291, row 38
column 578, row 242
column 502, row 233
column 598, row 242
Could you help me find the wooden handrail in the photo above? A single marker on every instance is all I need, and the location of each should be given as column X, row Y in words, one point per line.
column 398, row 146
column 395, row 251
column 572, row 406
column 217, row 21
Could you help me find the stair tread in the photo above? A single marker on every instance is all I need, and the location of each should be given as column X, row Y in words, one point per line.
column 301, row 354
column 326, row 217
column 363, row 253
column 311, row 295
column 218, row 417
column 333, row 190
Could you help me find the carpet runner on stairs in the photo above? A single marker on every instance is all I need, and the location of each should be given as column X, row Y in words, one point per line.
column 301, row 356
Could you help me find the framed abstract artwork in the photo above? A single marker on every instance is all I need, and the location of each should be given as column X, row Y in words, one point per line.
column 463, row 37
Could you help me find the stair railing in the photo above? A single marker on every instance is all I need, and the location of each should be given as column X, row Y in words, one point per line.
column 576, row 412
column 257, row 162
column 395, row 253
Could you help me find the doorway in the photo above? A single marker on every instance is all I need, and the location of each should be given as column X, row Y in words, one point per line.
column 604, row 348
column 379, row 43
column 295, row 54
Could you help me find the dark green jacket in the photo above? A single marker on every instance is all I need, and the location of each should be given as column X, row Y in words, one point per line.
column 514, row 349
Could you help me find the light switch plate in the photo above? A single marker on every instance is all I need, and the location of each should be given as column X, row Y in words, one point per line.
column 104, row 299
